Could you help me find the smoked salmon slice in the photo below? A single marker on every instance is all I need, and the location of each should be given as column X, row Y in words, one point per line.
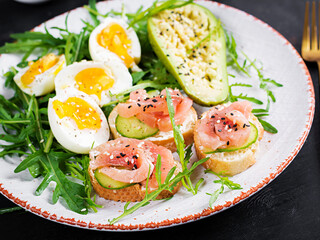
column 131, row 161
column 225, row 126
column 154, row 111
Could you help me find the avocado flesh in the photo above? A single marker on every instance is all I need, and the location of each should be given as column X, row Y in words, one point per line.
column 201, row 71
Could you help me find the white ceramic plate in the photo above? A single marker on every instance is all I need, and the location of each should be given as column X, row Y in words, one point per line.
column 292, row 115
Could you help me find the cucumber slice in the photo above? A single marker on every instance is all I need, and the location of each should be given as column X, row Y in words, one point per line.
column 153, row 93
column 134, row 128
column 109, row 183
column 251, row 140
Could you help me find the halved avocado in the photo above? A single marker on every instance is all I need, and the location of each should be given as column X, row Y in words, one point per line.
column 190, row 43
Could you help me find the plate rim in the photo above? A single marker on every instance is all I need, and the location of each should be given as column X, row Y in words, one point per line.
column 205, row 212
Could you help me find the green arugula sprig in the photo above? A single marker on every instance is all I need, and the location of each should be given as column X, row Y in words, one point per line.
column 225, row 182
column 264, row 83
column 184, row 154
column 9, row 210
column 171, row 180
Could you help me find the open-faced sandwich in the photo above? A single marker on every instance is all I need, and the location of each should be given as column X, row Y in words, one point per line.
column 147, row 117
column 123, row 169
column 229, row 134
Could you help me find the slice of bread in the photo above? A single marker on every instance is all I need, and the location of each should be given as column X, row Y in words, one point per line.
column 164, row 139
column 230, row 163
column 133, row 193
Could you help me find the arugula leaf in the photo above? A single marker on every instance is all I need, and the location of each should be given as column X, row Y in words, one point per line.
column 267, row 126
column 137, row 76
column 224, row 181
column 92, row 5
column 264, row 83
column 8, row 210
column 184, row 155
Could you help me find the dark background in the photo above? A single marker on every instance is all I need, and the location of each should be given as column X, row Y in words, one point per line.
column 288, row 208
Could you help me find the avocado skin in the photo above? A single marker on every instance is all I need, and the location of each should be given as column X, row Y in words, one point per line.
column 168, row 61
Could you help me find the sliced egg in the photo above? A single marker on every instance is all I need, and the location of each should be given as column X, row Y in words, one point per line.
column 97, row 79
column 76, row 121
column 38, row 77
column 113, row 41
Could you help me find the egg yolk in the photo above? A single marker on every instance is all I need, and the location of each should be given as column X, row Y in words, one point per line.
column 114, row 38
column 93, row 81
column 80, row 111
column 38, row 67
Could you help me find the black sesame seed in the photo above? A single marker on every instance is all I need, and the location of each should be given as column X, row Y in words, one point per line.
column 129, row 106
column 223, row 118
column 228, row 143
column 128, row 145
column 122, row 154
column 154, row 100
column 219, row 130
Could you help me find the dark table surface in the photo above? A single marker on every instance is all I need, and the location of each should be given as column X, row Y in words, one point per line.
column 287, row 208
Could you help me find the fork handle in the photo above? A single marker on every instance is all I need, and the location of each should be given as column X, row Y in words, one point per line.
column 318, row 62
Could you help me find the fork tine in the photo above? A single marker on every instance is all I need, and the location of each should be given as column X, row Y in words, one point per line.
column 306, row 30
column 314, row 31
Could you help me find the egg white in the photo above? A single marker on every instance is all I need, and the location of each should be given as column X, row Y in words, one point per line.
column 121, row 75
column 66, row 131
column 99, row 53
column 44, row 82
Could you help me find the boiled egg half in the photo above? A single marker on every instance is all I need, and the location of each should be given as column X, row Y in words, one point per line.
column 76, row 121
column 97, row 79
column 113, row 41
column 38, row 77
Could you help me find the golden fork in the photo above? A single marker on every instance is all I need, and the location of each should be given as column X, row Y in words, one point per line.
column 310, row 48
